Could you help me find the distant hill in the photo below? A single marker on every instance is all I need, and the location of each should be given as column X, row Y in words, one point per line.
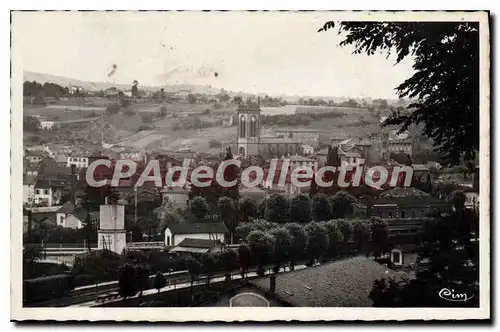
column 201, row 89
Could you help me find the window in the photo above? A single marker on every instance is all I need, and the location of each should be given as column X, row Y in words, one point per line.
column 413, row 214
column 390, row 214
column 253, row 127
column 403, row 214
column 45, row 191
column 168, row 240
column 37, row 192
column 242, row 127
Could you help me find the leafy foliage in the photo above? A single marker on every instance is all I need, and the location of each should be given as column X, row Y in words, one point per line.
column 282, row 246
column 342, row 204
column 300, row 241
column 321, row 208
column 380, row 236
column 318, row 241
column 445, row 83
column 248, row 209
column 448, row 259
column 277, row 208
column 127, row 283
column 300, row 209
column 198, row 207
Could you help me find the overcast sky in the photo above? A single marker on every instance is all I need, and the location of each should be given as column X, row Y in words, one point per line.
column 276, row 53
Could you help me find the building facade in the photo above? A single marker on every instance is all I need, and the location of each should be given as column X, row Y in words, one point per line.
column 249, row 140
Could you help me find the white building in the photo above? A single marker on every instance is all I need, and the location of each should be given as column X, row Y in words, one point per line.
column 401, row 146
column 46, row 125
column 175, row 234
column 111, row 233
column 48, row 192
column 78, row 161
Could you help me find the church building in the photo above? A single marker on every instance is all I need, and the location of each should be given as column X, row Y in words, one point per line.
column 249, row 140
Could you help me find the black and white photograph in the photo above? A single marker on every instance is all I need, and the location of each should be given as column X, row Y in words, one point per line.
column 186, row 163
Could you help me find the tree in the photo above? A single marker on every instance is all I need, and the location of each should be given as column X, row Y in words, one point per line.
column 445, row 83
column 237, row 100
column 248, row 209
column 193, row 266
column 380, row 236
column 31, row 123
column 209, row 265
column 245, row 258
column 228, row 215
column 282, row 246
column 342, row 204
column 127, row 281
column 299, row 244
column 135, row 89
column 361, row 235
column 191, row 98
column 142, row 278
column 346, row 228
column 448, row 258
column 317, row 244
column 229, row 262
column 335, row 238
column 321, row 208
column 198, row 207
column 261, row 245
column 300, row 209
column 159, row 281
column 277, row 208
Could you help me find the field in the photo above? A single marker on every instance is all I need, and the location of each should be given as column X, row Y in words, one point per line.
column 184, row 125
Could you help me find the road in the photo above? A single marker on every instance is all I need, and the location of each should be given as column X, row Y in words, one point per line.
column 87, row 295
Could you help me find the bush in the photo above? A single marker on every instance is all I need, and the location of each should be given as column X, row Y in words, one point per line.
column 112, row 108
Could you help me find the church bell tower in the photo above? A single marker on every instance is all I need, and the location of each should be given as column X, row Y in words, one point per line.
column 248, row 132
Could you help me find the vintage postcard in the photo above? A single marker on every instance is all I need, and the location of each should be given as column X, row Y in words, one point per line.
column 250, row 166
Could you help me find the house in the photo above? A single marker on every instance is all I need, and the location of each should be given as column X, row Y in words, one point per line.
column 343, row 283
column 46, row 125
column 70, row 217
column 401, row 146
column 34, row 156
column 61, row 160
column 44, row 214
column 80, row 161
column 198, row 246
column 254, row 193
column 307, row 149
column 175, row 234
column 300, row 161
column 29, row 182
column 48, row 192
column 471, row 198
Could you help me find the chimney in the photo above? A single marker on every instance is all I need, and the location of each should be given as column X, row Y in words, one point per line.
column 272, row 284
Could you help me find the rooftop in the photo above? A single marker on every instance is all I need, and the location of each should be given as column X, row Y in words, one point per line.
column 197, row 228
column 198, row 243
column 344, row 283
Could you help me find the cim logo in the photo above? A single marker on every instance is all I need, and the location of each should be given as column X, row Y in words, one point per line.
column 451, row 295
